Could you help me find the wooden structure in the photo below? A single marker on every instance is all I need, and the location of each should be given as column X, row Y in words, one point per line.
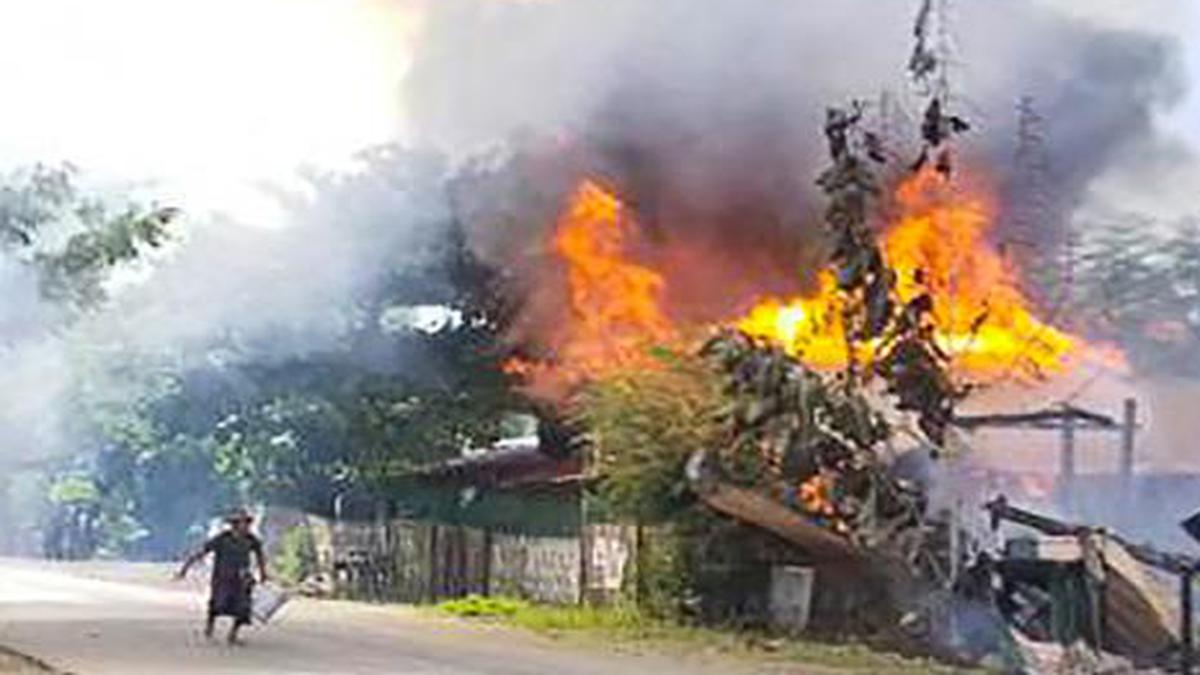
column 1136, row 614
column 1068, row 420
column 754, row 508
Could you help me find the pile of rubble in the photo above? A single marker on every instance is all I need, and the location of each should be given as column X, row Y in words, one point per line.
column 1066, row 599
column 813, row 462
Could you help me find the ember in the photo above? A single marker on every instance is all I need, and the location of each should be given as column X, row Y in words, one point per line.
column 816, row 499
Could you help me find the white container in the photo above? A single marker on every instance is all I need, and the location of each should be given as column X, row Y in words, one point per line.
column 266, row 601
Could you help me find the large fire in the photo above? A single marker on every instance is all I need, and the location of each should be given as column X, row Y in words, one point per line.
column 616, row 304
column 937, row 244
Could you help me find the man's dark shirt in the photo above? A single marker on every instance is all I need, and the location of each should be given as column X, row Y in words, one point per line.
column 231, row 552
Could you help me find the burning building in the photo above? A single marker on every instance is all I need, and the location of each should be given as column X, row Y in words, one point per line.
column 849, row 335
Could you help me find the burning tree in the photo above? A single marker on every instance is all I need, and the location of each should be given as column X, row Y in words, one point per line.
column 798, row 434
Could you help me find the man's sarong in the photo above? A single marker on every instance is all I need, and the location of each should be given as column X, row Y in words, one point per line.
column 231, row 597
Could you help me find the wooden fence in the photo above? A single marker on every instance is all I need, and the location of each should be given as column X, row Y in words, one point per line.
column 411, row 561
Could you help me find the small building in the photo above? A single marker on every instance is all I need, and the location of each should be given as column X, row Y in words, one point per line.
column 515, row 485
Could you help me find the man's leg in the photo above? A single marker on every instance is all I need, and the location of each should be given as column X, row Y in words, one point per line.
column 242, row 616
column 214, row 602
column 234, row 639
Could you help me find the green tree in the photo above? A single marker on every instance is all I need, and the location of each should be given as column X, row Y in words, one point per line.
column 388, row 395
column 1139, row 288
column 73, row 241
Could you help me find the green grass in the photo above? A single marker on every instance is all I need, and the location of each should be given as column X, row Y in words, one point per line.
column 550, row 618
column 481, row 606
column 627, row 625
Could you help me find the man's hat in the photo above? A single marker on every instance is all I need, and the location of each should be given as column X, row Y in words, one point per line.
column 239, row 515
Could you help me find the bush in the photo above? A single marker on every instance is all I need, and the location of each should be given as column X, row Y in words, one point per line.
column 644, row 424
column 297, row 556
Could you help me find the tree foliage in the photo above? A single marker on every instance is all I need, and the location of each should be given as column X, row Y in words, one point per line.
column 75, row 274
column 1138, row 287
column 300, row 429
column 74, row 240
column 643, row 424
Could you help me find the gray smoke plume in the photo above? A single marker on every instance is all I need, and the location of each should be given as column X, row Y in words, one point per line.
column 707, row 116
column 298, row 286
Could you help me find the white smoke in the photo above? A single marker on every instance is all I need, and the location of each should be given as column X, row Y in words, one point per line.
column 718, row 102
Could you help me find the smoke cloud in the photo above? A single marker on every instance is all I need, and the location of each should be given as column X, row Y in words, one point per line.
column 706, row 117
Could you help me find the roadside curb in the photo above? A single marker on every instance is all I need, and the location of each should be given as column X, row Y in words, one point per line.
column 32, row 661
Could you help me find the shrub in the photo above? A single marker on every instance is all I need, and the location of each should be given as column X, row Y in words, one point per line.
column 297, row 555
column 643, row 425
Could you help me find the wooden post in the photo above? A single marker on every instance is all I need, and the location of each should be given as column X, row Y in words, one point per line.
column 434, row 592
column 487, row 561
column 585, row 549
column 1128, row 429
column 1066, row 468
column 639, row 580
column 585, row 557
column 1185, row 622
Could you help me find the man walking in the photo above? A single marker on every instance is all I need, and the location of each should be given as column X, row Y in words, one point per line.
column 232, row 580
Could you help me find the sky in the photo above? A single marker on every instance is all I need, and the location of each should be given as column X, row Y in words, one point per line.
column 199, row 101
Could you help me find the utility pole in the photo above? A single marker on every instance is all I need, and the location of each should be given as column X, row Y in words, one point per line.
column 1186, row 638
column 1066, row 468
column 1128, row 431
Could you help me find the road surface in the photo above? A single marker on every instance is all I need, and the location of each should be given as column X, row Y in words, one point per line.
column 129, row 620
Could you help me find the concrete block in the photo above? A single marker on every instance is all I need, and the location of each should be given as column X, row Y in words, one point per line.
column 791, row 597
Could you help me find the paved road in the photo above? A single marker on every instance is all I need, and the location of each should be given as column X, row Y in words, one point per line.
column 128, row 620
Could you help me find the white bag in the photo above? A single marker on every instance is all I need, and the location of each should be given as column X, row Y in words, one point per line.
column 266, row 600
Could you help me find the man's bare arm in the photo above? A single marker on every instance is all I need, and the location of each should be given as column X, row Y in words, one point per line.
column 262, row 563
column 191, row 560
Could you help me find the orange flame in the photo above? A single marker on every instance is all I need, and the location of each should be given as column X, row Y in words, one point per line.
column 938, row 246
column 615, row 303
column 608, row 293
column 816, row 499
column 816, row 495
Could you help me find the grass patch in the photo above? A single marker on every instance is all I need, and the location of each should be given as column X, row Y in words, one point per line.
column 625, row 624
column 554, row 619
column 479, row 606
